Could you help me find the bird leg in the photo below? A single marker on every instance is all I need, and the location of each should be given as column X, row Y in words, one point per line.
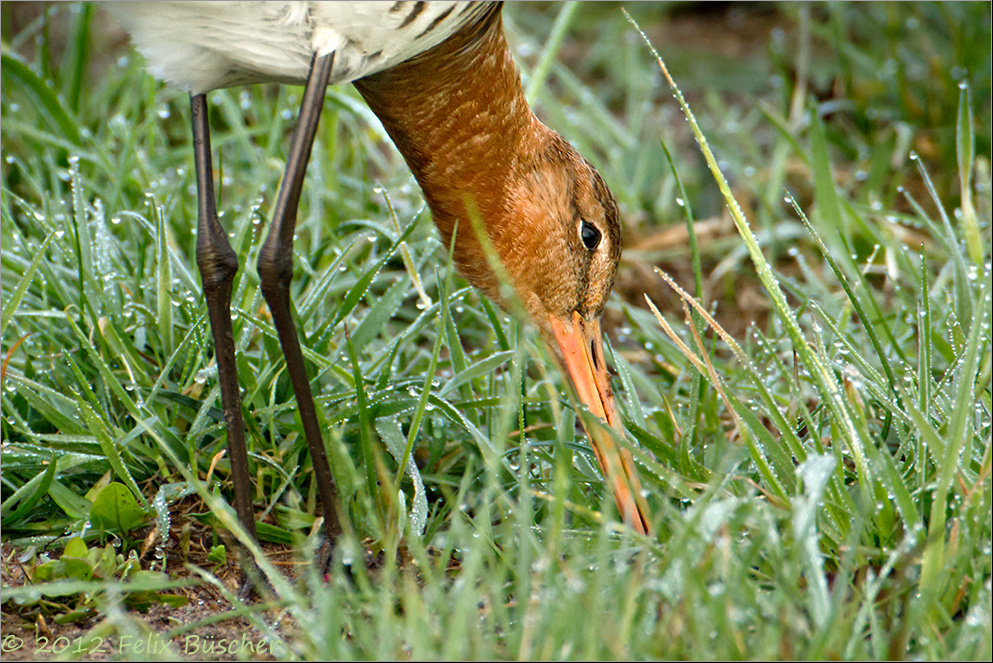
column 218, row 263
column 275, row 267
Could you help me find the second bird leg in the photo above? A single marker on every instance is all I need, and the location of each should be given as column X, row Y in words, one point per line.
column 276, row 271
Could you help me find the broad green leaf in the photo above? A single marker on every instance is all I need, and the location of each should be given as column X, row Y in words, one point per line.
column 116, row 510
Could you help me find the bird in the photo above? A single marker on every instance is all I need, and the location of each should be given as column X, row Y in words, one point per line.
column 441, row 79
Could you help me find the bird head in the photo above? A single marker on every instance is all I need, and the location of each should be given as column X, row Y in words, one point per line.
column 559, row 243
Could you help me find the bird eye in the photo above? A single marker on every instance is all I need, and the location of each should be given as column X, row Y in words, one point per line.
column 590, row 235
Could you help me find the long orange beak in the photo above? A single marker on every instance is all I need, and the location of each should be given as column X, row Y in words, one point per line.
column 581, row 342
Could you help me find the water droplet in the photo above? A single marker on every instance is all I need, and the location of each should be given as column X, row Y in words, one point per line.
column 203, row 374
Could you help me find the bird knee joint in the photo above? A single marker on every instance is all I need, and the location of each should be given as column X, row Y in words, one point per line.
column 274, row 270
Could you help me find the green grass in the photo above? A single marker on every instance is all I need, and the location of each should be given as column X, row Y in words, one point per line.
column 819, row 473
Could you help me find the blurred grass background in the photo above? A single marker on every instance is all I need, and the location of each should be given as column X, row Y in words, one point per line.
column 819, row 471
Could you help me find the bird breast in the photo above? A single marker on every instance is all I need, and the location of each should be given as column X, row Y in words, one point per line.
column 201, row 46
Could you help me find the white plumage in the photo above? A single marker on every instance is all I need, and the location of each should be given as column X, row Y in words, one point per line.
column 201, row 46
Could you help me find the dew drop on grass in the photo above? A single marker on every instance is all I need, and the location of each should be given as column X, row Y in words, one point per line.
column 204, row 373
column 539, row 565
column 118, row 123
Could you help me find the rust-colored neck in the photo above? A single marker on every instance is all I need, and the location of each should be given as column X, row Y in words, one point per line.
column 458, row 115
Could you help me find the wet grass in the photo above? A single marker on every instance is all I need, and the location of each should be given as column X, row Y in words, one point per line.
column 809, row 402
